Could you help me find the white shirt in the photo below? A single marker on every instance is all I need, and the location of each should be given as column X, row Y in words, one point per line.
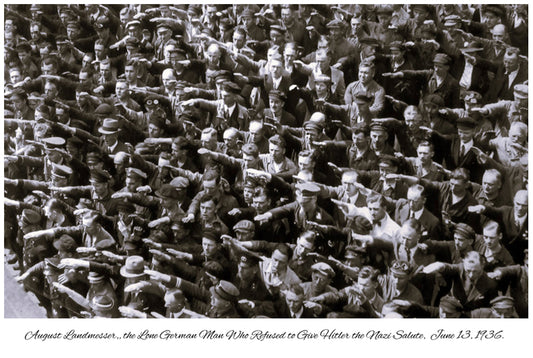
column 229, row 110
column 418, row 214
column 112, row 148
column 297, row 314
column 467, row 146
column 512, row 76
column 466, row 78
column 276, row 82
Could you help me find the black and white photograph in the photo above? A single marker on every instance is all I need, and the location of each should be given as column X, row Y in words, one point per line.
column 249, row 161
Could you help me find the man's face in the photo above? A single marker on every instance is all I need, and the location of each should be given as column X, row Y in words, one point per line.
column 367, row 286
column 247, row 21
column 306, row 202
column 305, row 163
column 491, row 185
column 15, row 77
column 48, row 69
column 110, row 139
column 228, row 98
column 378, row 138
column 510, row 62
column 99, row 51
column 397, row 55
column 491, row 20
column 520, row 205
column 9, row 26
column 261, row 204
column 320, row 280
column 132, row 184
column 416, row 201
column 121, row 90
column 491, row 237
column 376, row 211
column 277, row 152
column 425, row 154
column 250, row 161
column 100, row 189
column 365, row 74
column 35, row 33
column 276, row 105
column 349, row 184
column 286, row 17
column 209, row 141
column 473, row 270
column 212, row 56
column 384, row 19
column 154, row 131
column 105, row 71
column 465, row 135
column 243, row 235
column 409, row 237
column 516, row 135
column 289, row 56
column 238, row 40
column 73, row 33
column 336, row 33
column 276, row 37
column 360, row 140
column 322, row 62
column 321, row 88
column 174, row 304
column 130, row 73
column 302, row 248
column 210, row 186
column 440, row 69
column 458, row 186
column 279, row 262
column 294, row 302
column 208, row 210
column 256, row 133
column 276, row 68
column 210, row 247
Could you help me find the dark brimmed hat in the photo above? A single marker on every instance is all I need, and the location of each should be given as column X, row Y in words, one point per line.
column 361, row 225
column 324, row 269
column 226, row 291
column 167, row 191
column 465, row 231
column 244, row 226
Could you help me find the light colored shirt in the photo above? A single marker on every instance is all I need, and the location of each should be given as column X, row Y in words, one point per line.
column 466, row 78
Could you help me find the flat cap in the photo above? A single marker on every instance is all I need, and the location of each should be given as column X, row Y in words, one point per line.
column 133, row 23
column 450, row 304
column 354, row 251
column 277, row 140
column 465, row 231
column 248, row 260
column 335, row 24
column 442, row 59
column 278, row 28
column 232, row 87
column 322, row 79
column 244, row 226
column 451, row 20
column 277, row 94
column 54, row 142
column 211, row 235
column 104, row 109
column 324, row 269
column 99, row 176
column 180, row 183
column 312, row 126
column 376, row 126
column 226, row 291
column 308, row 189
column 30, row 216
column 167, row 191
column 136, row 173
column 466, row 123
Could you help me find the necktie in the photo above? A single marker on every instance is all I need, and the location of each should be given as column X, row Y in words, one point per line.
column 462, row 153
column 468, row 286
column 408, row 253
column 432, row 85
column 412, row 216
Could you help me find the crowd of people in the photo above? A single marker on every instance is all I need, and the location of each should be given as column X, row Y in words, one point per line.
column 283, row 161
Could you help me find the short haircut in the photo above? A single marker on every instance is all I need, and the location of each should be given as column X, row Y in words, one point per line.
column 374, row 197
column 285, row 250
column 207, row 198
column 474, row 258
column 492, row 225
column 522, row 127
column 460, row 174
column 296, row 289
column 512, row 51
column 211, row 174
column 413, row 224
column 496, row 173
column 426, row 143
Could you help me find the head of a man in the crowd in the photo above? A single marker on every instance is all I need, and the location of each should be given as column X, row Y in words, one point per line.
column 425, row 152
column 463, row 237
column 385, row 15
column 277, row 102
column 305, row 244
column 105, row 70
column 321, row 276
column 492, row 183
column 49, row 66
column 208, row 138
column 441, row 68
column 420, row 13
column 213, row 54
column 366, row 72
column 360, row 137
column 306, row 198
column 231, row 138
column 511, row 59
column 164, row 33
column 15, row 75
column 323, row 60
column 122, row 90
column 349, row 182
column 50, row 89
column 367, row 281
column 208, row 206
column 491, row 17
column 322, row 86
column 130, row 72
column 520, row 204
column 459, row 182
column 290, row 53
column 276, row 148
column 247, row 19
column 256, row 131
column 261, row 200
column 492, row 235
column 416, row 197
column 499, row 32
column 239, row 38
column 473, row 264
column 518, row 133
column 306, row 161
column 466, row 130
column 287, row 16
column 211, row 182
column 210, row 243
column 276, row 67
column 294, row 297
column 376, row 207
column 409, row 234
column 400, row 274
column 280, row 258
column 250, row 156
column 378, row 136
column 277, row 36
column 397, row 52
column 35, row 31
column 175, row 300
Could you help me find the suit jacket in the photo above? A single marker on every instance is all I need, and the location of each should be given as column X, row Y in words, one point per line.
column 468, row 160
column 513, row 236
column 430, row 224
column 448, row 89
column 481, row 293
column 501, row 90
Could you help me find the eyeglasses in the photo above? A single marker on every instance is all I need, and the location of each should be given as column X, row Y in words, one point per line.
column 152, row 102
